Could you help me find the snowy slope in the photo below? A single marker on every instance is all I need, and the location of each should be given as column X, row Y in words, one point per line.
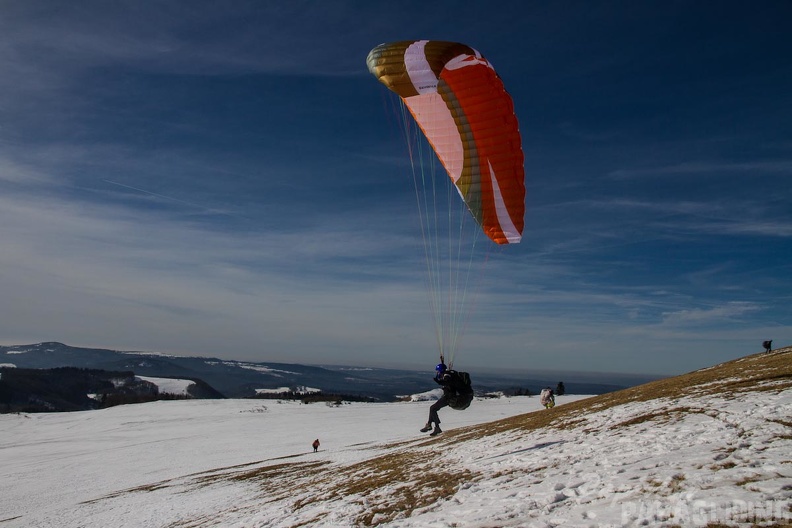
column 712, row 446
column 169, row 385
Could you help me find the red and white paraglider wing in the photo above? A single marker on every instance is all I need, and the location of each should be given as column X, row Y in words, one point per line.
column 462, row 107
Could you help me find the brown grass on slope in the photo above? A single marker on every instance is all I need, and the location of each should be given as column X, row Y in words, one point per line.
column 757, row 373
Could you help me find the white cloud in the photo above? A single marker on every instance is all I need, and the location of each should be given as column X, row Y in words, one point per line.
column 12, row 171
column 180, row 37
column 732, row 311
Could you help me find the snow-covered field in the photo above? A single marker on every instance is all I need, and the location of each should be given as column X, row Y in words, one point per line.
column 703, row 458
column 55, row 464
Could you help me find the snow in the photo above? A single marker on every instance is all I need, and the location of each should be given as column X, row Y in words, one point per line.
column 685, row 461
column 433, row 394
column 169, row 385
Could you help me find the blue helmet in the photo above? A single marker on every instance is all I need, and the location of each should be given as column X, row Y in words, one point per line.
column 440, row 368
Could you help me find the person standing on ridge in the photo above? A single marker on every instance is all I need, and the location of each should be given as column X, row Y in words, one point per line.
column 546, row 398
column 315, row 445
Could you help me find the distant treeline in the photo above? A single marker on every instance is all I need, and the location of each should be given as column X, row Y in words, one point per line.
column 517, row 391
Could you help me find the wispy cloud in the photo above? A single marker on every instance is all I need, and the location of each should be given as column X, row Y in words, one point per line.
column 644, row 220
column 188, row 38
column 704, row 167
column 729, row 312
column 153, row 274
column 12, row 171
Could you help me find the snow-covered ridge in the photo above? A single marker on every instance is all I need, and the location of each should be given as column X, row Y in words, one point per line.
column 262, row 368
column 258, row 367
column 152, row 354
column 708, row 448
column 170, row 386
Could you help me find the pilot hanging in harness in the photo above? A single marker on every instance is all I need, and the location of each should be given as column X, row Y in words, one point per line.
column 457, row 394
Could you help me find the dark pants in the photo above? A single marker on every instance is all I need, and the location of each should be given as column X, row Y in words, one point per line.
column 436, row 406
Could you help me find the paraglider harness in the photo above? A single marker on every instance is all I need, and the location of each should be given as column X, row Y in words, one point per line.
column 460, row 394
column 457, row 388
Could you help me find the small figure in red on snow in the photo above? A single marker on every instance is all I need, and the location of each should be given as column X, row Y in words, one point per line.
column 315, row 445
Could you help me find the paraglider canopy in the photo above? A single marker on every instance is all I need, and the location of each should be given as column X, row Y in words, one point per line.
column 460, row 103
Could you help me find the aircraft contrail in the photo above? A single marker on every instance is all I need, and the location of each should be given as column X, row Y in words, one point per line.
column 191, row 204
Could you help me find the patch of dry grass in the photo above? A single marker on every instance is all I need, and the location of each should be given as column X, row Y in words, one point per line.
column 386, row 487
column 667, row 486
column 663, row 416
column 785, row 423
column 391, row 485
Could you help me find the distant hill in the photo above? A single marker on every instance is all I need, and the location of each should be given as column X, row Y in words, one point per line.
column 80, row 389
column 239, row 379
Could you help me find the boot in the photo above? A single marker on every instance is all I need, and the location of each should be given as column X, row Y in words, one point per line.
column 427, row 427
column 436, row 431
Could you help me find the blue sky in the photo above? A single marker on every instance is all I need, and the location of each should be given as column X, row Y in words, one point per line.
column 230, row 181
